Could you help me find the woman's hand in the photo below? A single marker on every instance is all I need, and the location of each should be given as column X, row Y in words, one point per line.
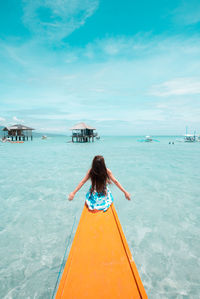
column 127, row 195
column 71, row 196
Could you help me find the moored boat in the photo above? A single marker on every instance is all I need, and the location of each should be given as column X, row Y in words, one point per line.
column 148, row 139
column 189, row 138
column 5, row 139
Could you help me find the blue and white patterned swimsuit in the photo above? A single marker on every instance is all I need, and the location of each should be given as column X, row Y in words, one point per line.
column 99, row 201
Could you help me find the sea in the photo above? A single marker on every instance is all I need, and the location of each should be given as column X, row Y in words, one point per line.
column 161, row 222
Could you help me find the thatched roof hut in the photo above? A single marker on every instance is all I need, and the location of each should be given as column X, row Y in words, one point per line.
column 82, row 132
column 17, row 127
column 82, row 126
column 18, row 131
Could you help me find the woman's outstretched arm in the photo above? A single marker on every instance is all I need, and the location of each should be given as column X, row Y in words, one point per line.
column 84, row 180
column 115, row 181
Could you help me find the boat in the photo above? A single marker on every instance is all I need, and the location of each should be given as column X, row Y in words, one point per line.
column 16, row 141
column 100, row 264
column 189, row 138
column 5, row 139
column 44, row 137
column 148, row 139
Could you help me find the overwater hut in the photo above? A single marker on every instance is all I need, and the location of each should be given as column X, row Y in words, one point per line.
column 81, row 132
column 18, row 132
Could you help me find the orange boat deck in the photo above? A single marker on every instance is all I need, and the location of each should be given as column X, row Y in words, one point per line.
column 100, row 264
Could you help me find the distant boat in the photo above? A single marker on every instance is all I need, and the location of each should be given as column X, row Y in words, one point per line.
column 189, row 138
column 148, row 139
column 44, row 137
column 10, row 141
column 5, row 139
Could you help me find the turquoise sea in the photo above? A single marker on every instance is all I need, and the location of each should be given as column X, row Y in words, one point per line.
column 161, row 223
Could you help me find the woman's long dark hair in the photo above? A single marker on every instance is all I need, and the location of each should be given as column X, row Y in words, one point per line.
column 99, row 175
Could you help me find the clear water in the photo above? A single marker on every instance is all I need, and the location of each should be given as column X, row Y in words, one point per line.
column 161, row 223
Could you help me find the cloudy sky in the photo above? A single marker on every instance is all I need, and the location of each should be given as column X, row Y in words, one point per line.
column 126, row 67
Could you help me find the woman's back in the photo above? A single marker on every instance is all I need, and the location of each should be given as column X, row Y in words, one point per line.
column 99, row 196
column 99, row 175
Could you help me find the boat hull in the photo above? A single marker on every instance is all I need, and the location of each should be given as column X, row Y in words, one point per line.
column 100, row 264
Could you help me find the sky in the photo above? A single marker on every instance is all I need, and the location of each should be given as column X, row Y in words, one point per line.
column 125, row 67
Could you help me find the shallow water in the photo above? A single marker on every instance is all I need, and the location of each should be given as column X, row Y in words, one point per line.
column 161, row 223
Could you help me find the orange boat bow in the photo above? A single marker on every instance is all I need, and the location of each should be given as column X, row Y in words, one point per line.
column 100, row 264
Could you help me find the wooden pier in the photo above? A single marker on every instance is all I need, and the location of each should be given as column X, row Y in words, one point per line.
column 83, row 133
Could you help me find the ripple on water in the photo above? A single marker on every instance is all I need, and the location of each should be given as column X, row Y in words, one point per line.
column 161, row 223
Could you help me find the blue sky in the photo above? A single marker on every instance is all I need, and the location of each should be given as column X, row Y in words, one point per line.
column 126, row 67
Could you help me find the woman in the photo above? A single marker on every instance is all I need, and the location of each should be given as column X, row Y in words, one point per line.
column 99, row 196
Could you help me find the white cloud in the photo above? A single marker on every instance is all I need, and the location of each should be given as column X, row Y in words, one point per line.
column 118, row 46
column 177, row 87
column 130, row 85
column 188, row 13
column 56, row 19
column 60, row 129
column 2, row 119
column 52, row 117
column 17, row 119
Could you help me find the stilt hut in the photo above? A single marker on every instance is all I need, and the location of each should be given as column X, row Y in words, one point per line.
column 83, row 133
column 18, row 132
